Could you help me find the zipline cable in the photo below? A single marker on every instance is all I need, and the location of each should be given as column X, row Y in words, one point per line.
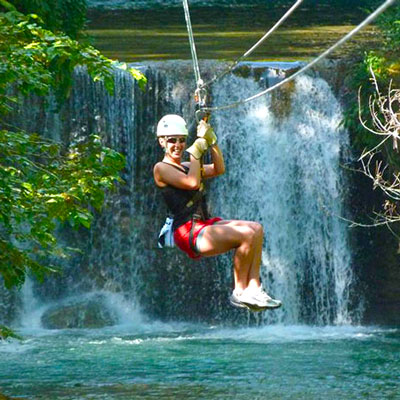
column 344, row 39
column 248, row 52
column 192, row 45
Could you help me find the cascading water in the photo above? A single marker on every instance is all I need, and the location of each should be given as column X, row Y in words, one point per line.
column 282, row 155
column 283, row 170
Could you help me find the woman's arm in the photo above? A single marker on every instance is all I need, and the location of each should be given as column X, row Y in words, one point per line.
column 218, row 165
column 165, row 174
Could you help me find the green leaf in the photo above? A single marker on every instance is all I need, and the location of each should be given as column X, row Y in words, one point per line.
column 27, row 186
column 7, row 5
column 6, row 333
column 83, row 218
column 140, row 77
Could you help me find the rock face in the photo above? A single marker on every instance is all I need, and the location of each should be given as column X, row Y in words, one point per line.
column 376, row 257
column 375, row 250
column 89, row 313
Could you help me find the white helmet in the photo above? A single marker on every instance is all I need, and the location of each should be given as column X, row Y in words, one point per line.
column 172, row 125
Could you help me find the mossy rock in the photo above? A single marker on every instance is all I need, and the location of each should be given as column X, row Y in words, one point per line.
column 281, row 100
column 91, row 313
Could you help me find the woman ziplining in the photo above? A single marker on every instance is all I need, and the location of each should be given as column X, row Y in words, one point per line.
column 182, row 185
column 194, row 232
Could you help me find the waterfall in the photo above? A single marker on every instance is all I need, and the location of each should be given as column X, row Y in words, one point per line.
column 283, row 156
column 283, row 168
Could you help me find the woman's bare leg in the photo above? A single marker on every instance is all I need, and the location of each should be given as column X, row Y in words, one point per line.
column 246, row 237
column 243, row 236
column 242, row 261
column 253, row 280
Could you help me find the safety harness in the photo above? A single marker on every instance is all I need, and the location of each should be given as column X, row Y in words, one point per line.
column 166, row 238
column 201, row 213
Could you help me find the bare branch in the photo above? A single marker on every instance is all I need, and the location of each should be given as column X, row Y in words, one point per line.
column 384, row 121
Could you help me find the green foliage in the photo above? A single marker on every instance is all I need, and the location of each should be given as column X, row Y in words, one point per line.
column 41, row 184
column 385, row 62
column 377, row 79
column 34, row 59
column 5, row 5
column 389, row 24
column 361, row 81
column 67, row 16
column 8, row 333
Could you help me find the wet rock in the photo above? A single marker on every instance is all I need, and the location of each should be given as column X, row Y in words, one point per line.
column 87, row 313
column 4, row 397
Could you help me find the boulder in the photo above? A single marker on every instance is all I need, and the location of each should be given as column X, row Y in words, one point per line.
column 87, row 313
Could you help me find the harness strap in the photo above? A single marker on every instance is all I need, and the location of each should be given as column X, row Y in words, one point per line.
column 198, row 195
column 192, row 244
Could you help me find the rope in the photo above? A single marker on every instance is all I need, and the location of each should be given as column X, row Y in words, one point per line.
column 192, row 45
column 369, row 19
column 248, row 52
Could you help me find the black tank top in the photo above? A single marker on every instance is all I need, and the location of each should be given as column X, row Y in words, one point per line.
column 177, row 200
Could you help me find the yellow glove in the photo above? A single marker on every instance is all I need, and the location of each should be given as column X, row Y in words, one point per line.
column 198, row 148
column 204, row 130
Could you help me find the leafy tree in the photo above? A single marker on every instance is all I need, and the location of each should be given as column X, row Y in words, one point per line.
column 42, row 183
column 68, row 16
column 35, row 60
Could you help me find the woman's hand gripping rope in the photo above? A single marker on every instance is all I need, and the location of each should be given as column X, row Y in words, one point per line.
column 206, row 138
column 198, row 148
column 205, row 131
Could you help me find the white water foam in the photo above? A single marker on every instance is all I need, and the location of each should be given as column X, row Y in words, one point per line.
column 178, row 332
column 32, row 309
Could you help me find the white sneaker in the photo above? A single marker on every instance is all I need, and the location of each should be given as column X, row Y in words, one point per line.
column 258, row 298
column 235, row 300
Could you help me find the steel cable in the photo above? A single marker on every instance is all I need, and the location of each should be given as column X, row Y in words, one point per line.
column 344, row 39
column 196, row 67
column 248, row 52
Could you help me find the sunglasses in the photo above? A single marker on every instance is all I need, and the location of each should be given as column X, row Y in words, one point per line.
column 174, row 140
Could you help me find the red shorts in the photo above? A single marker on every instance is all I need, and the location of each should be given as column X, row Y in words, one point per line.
column 182, row 233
